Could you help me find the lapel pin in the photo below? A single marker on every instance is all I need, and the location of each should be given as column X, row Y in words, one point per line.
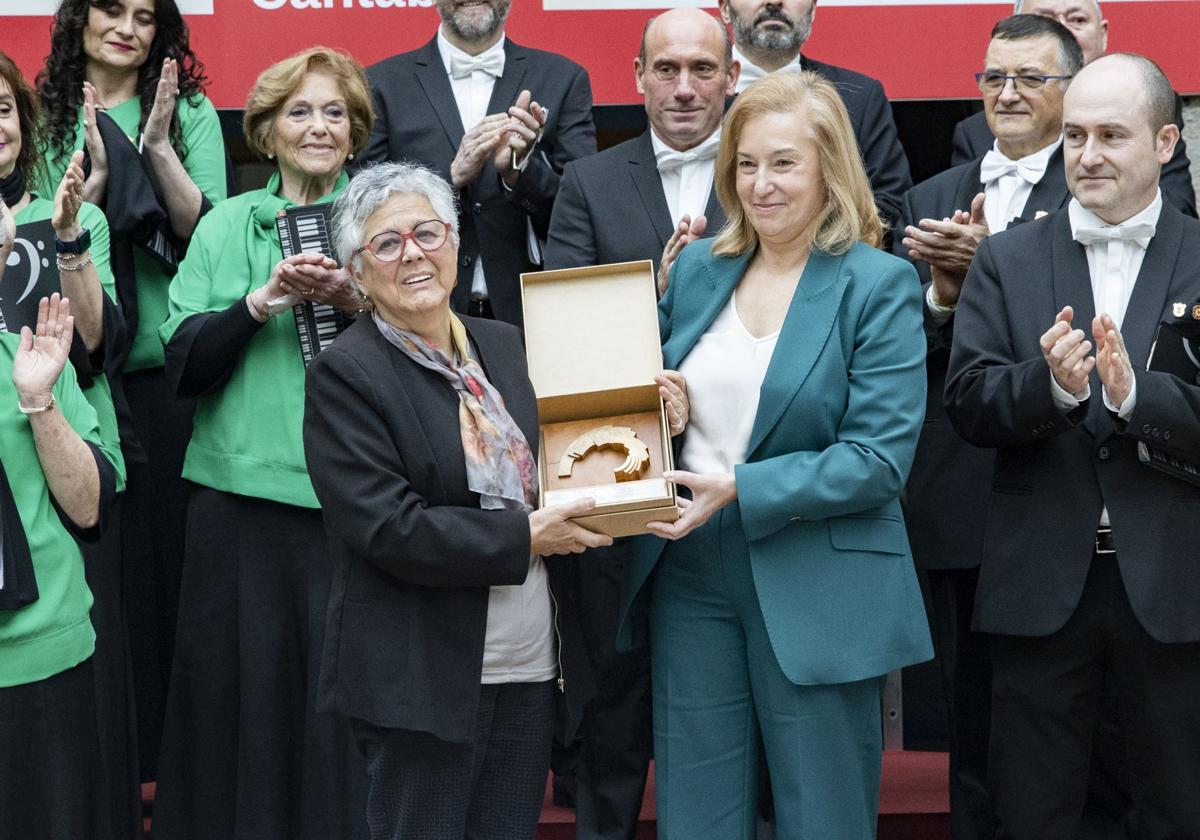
column 1178, row 309
column 1039, row 214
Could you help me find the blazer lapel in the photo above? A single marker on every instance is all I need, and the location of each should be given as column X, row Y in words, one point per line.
column 969, row 187
column 713, row 213
column 1149, row 298
column 431, row 74
column 643, row 170
column 721, row 275
column 508, row 86
column 805, row 331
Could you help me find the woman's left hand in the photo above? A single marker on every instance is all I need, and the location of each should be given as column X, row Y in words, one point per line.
column 158, row 124
column 67, row 201
column 323, row 283
column 673, row 389
column 710, row 493
column 42, row 353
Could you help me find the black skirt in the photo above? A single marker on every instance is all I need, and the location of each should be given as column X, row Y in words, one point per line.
column 51, row 774
column 244, row 752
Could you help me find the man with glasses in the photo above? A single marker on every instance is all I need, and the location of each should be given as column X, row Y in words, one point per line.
column 972, row 136
column 768, row 35
column 499, row 122
column 1089, row 568
column 641, row 200
column 1027, row 68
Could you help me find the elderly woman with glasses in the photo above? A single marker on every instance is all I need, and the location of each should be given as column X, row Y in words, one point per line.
column 244, row 751
column 449, row 640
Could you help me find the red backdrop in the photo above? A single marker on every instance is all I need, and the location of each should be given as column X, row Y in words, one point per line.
column 918, row 51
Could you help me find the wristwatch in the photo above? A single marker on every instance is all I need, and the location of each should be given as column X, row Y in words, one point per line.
column 78, row 246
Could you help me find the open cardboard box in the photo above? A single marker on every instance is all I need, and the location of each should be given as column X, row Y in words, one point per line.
column 591, row 336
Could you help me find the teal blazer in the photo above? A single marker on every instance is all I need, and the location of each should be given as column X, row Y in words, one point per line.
column 839, row 413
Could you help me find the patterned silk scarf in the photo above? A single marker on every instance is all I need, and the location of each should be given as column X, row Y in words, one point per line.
column 500, row 465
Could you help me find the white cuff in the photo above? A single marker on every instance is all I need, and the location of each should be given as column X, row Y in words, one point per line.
column 1065, row 400
column 937, row 311
column 1126, row 408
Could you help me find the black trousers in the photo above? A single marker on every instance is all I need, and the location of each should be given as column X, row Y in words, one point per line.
column 422, row 788
column 1048, row 696
column 616, row 740
column 966, row 671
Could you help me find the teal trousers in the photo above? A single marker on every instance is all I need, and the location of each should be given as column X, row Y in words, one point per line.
column 718, row 686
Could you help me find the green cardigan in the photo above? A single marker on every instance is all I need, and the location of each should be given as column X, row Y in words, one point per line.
column 53, row 633
column 204, row 162
column 98, row 393
column 246, row 437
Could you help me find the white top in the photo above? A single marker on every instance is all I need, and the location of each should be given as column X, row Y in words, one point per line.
column 1004, row 197
column 724, row 373
column 471, row 94
column 751, row 72
column 687, row 177
column 1113, row 267
column 519, row 645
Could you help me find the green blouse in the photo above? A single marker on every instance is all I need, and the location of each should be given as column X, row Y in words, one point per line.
column 205, row 163
column 53, row 633
column 99, row 394
column 246, row 437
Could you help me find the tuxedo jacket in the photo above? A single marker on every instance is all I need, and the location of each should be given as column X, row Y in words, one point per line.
column 1055, row 471
column 414, row 553
column 611, row 208
column 417, row 120
column 950, row 481
column 875, row 130
column 831, row 445
column 973, row 137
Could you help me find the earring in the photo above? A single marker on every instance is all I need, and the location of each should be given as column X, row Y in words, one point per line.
column 350, row 156
column 270, row 156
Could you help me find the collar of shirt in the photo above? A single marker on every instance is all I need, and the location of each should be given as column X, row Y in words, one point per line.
column 752, row 72
column 668, row 158
column 1031, row 168
column 449, row 51
column 1083, row 219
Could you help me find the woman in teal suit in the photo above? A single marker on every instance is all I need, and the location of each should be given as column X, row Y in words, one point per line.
column 786, row 591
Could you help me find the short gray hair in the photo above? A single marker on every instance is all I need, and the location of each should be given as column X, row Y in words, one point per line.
column 1019, row 3
column 372, row 187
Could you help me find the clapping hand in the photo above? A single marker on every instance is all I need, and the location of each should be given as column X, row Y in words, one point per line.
column 477, row 146
column 688, row 230
column 1066, row 352
column 948, row 246
column 321, row 282
column 42, row 352
column 1112, row 359
column 158, row 124
column 8, row 234
column 68, row 199
column 526, row 119
column 97, row 180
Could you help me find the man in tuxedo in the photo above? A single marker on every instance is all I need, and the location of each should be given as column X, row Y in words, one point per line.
column 642, row 199
column 498, row 121
column 972, row 136
column 1088, row 563
column 1026, row 69
column 768, row 35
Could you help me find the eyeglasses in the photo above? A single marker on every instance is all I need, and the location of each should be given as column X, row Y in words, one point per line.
column 389, row 245
column 994, row 82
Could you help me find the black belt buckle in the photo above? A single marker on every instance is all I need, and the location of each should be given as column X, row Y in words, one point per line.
column 1105, row 545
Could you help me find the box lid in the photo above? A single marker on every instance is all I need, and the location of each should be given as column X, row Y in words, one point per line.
column 591, row 329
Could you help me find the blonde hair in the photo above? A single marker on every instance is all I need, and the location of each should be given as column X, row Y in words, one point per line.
column 849, row 213
column 279, row 81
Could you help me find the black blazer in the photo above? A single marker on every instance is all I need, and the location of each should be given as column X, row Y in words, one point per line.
column 948, row 488
column 1054, row 471
column 611, row 208
column 973, row 137
column 875, row 130
column 417, row 120
column 414, row 553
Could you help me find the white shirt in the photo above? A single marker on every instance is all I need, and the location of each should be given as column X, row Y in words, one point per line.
column 1005, row 197
column 471, row 94
column 519, row 645
column 1113, row 267
column 751, row 72
column 688, row 185
column 724, row 373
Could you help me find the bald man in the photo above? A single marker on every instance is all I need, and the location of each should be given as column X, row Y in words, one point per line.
column 973, row 137
column 1089, row 566
column 641, row 200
